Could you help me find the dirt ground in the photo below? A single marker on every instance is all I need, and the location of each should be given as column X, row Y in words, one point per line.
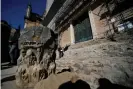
column 54, row 81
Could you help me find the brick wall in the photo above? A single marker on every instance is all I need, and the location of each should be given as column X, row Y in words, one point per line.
column 98, row 21
column 65, row 38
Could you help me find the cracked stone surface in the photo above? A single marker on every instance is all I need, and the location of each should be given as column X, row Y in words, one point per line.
column 37, row 46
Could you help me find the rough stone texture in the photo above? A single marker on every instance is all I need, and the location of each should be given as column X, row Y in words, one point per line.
column 37, row 46
column 97, row 59
column 65, row 37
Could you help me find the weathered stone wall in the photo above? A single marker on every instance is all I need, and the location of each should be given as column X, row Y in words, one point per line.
column 99, row 15
column 99, row 24
column 30, row 23
column 65, row 38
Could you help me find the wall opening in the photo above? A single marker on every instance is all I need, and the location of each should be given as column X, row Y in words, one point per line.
column 82, row 28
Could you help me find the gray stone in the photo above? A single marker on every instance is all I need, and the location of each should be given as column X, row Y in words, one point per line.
column 93, row 63
column 37, row 46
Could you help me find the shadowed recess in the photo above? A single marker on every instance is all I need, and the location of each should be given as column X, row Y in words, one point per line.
column 10, row 78
column 106, row 84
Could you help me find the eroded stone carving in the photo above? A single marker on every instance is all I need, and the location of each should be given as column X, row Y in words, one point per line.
column 37, row 55
column 51, row 68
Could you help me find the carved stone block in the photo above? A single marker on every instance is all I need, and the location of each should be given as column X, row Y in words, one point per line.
column 37, row 55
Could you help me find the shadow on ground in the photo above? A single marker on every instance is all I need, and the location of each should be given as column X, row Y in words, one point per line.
column 106, row 84
column 103, row 84
column 79, row 84
column 64, row 70
column 10, row 78
column 6, row 66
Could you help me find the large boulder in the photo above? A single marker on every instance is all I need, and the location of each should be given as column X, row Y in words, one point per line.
column 100, row 58
column 37, row 46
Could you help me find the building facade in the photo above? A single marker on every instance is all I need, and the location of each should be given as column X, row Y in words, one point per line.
column 83, row 20
column 32, row 19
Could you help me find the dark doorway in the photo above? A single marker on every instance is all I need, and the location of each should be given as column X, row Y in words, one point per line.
column 82, row 28
column 5, row 33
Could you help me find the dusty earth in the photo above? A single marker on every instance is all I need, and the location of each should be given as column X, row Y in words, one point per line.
column 54, row 81
column 95, row 61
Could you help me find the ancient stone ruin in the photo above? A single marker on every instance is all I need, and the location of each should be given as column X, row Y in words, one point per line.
column 37, row 46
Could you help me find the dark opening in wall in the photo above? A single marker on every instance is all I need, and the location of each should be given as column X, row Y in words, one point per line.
column 82, row 28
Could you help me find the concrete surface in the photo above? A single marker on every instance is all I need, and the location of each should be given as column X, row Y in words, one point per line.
column 7, row 76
